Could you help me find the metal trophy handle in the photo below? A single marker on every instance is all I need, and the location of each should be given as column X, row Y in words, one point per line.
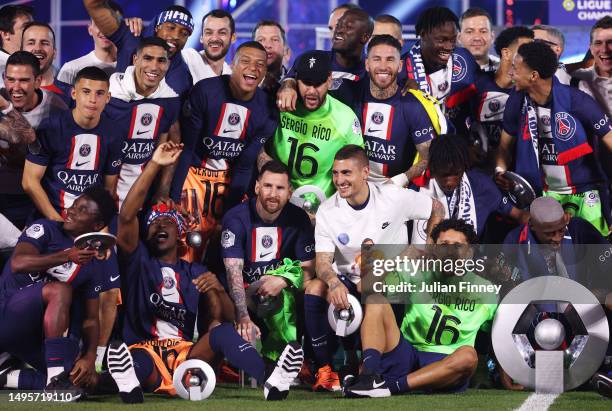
column 298, row 197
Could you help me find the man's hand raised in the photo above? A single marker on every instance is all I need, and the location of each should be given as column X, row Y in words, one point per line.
column 167, row 153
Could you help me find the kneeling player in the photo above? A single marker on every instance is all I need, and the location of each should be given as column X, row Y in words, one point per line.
column 162, row 295
column 412, row 359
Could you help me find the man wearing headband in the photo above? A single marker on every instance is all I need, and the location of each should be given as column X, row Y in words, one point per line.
column 50, row 286
column 173, row 25
column 162, row 295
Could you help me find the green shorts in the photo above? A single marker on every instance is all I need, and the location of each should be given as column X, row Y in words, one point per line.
column 585, row 205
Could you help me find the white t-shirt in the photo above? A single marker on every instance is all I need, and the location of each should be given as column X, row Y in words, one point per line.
column 3, row 58
column 199, row 67
column 70, row 69
column 50, row 105
column 341, row 229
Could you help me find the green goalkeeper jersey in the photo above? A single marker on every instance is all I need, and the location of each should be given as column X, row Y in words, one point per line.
column 307, row 141
column 447, row 320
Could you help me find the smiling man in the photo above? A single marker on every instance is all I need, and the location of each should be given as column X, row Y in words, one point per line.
column 226, row 122
column 218, row 34
column 476, row 34
column 78, row 149
column 145, row 110
column 434, row 64
column 320, row 125
column 173, row 25
column 12, row 19
column 351, row 35
column 272, row 36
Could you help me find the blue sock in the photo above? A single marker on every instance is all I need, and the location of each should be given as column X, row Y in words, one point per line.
column 371, row 361
column 143, row 365
column 319, row 330
column 240, row 353
column 30, row 379
column 398, row 386
column 61, row 352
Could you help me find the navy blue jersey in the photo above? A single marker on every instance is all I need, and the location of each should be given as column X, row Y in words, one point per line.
column 391, row 130
column 140, row 124
column 160, row 300
column 578, row 175
column 47, row 236
column 222, row 133
column 76, row 158
column 178, row 76
column 487, row 108
column 263, row 245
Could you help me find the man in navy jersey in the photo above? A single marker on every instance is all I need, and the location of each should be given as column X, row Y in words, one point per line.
column 226, row 123
column 467, row 195
column 434, row 64
column 173, row 25
column 555, row 134
column 146, row 110
column 257, row 237
column 78, row 149
column 162, row 294
column 486, row 110
column 47, row 275
column 395, row 127
column 349, row 39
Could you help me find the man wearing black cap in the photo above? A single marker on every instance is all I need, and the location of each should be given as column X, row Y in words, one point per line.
column 351, row 34
column 320, row 125
column 174, row 25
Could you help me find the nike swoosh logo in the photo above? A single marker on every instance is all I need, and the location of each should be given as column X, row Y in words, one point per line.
column 378, row 384
column 225, row 130
column 262, row 255
column 81, row 164
column 58, row 272
column 488, row 116
column 138, row 132
column 374, row 131
column 167, row 295
column 319, row 338
column 113, row 278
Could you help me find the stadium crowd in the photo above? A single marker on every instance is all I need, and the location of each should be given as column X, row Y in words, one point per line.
column 211, row 179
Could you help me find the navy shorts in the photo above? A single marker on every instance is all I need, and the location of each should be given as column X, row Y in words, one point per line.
column 404, row 359
column 21, row 325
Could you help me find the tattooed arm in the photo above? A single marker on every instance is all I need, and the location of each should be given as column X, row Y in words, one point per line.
column 14, row 128
column 245, row 327
column 337, row 293
column 437, row 215
column 262, row 158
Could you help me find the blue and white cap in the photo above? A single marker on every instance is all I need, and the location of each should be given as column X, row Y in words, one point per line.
column 173, row 15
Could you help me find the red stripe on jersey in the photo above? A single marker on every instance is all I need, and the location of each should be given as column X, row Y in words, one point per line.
column 132, row 121
column 279, row 240
column 62, row 204
column 390, row 125
column 385, row 170
column 74, row 274
column 178, row 290
column 53, row 88
column 482, row 100
column 246, row 124
column 159, row 116
column 253, row 244
column 364, row 117
column 97, row 160
column 220, row 120
column 461, row 96
column 568, row 178
column 73, row 140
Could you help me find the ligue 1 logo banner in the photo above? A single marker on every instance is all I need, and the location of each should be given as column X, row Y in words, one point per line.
column 577, row 12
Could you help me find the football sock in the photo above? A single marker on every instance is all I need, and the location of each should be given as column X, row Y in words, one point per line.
column 319, row 330
column 240, row 353
column 371, row 361
column 398, row 386
column 143, row 365
column 60, row 352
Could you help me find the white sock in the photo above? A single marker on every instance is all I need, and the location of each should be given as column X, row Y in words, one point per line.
column 52, row 372
column 124, row 376
column 12, row 379
column 100, row 351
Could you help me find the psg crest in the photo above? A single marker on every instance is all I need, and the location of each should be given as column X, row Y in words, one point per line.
column 565, row 126
column 146, row 119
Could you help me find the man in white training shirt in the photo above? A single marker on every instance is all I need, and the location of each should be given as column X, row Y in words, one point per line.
column 218, row 34
column 358, row 212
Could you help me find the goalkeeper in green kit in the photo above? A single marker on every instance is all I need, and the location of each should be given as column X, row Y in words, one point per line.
column 308, row 138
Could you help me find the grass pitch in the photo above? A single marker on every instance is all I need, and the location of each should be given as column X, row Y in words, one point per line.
column 230, row 397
